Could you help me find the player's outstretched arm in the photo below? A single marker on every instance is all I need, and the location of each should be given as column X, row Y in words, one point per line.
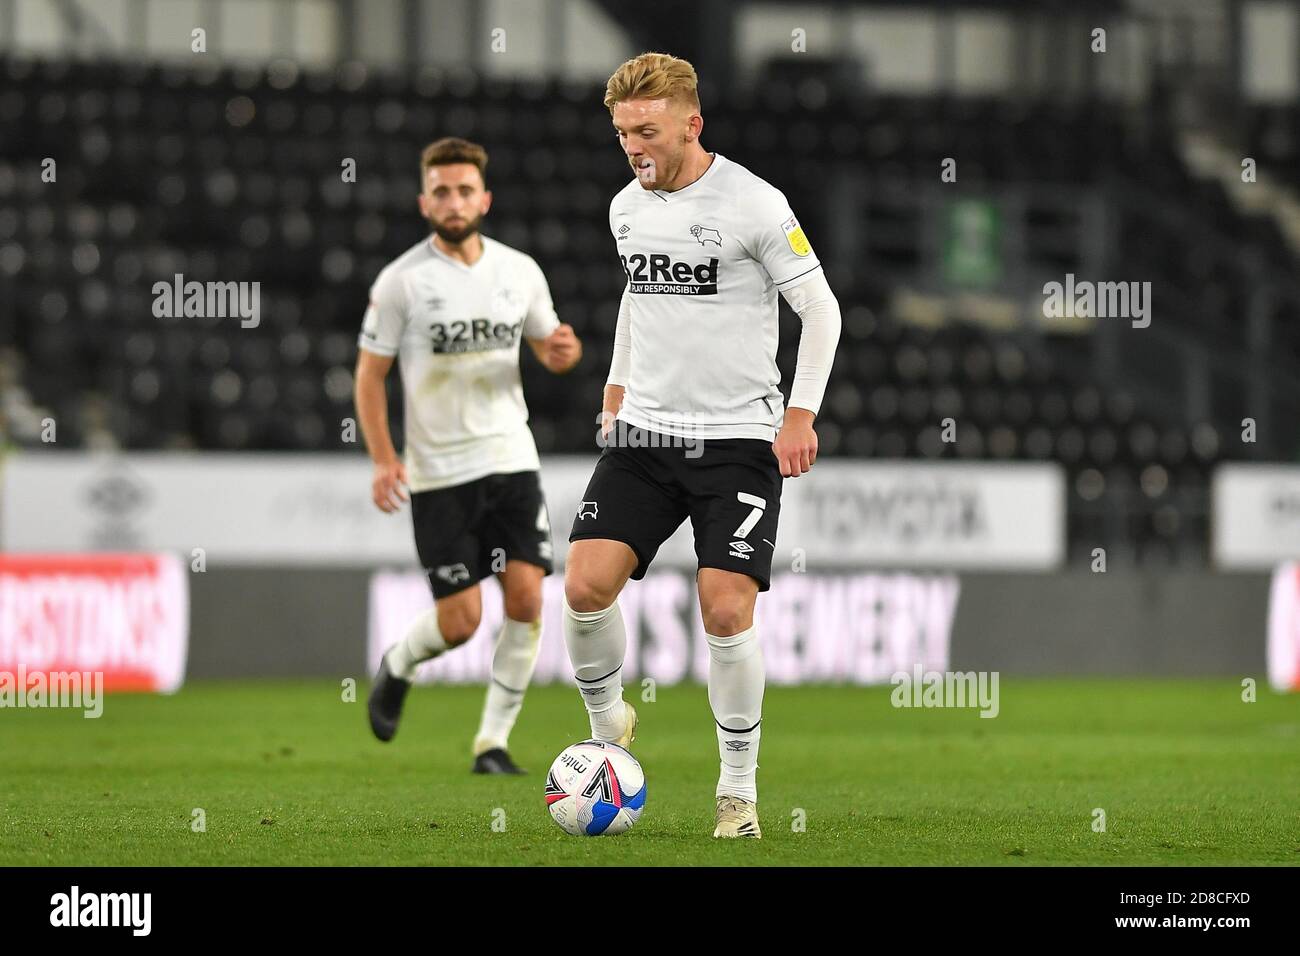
column 819, row 311
column 387, row 489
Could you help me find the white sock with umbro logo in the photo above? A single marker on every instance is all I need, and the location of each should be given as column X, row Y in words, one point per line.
column 597, row 643
column 736, row 679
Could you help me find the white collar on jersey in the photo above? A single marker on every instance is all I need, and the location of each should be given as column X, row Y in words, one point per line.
column 487, row 246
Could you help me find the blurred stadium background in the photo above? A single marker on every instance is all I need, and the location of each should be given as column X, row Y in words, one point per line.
column 1165, row 149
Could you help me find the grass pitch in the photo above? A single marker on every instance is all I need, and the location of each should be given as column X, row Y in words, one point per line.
column 287, row 773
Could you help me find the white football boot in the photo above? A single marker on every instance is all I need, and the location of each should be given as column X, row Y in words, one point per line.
column 629, row 734
column 737, row 817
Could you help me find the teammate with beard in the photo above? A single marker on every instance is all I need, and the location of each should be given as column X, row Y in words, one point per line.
column 454, row 308
column 707, row 246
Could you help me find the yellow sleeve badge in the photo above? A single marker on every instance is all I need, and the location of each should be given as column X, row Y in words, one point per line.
column 799, row 244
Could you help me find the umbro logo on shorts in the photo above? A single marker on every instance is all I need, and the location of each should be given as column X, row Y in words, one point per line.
column 453, row 573
column 587, row 510
column 741, row 549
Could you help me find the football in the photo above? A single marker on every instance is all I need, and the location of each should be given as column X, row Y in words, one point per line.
column 595, row 788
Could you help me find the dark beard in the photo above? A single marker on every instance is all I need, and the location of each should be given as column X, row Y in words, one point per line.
column 458, row 235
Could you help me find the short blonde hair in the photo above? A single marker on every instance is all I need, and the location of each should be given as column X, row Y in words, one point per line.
column 653, row 76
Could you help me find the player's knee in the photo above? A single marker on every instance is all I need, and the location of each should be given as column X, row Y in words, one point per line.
column 457, row 627
column 585, row 594
column 459, row 635
column 727, row 614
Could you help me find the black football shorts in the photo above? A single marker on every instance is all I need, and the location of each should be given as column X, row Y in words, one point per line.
column 466, row 532
column 731, row 492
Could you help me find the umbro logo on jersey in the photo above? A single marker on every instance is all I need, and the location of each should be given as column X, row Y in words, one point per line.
column 623, row 230
column 661, row 275
column 587, row 510
column 453, row 573
column 705, row 234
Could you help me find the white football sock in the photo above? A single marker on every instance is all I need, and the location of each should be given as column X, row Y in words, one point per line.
column 422, row 642
column 736, row 695
column 597, row 644
column 512, row 668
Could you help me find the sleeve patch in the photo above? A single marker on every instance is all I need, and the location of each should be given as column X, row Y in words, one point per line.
column 794, row 236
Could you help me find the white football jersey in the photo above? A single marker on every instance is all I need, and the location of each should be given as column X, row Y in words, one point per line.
column 705, row 265
column 456, row 331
